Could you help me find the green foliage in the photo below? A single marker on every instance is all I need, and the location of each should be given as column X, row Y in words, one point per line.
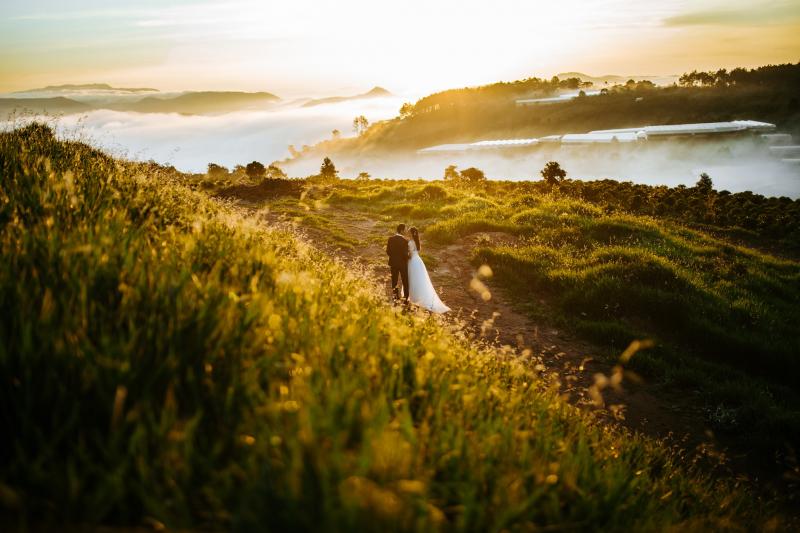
column 327, row 171
column 217, row 171
column 704, row 184
column 360, row 125
column 771, row 74
column 406, row 110
column 468, row 176
column 256, row 170
column 451, row 173
column 275, row 172
column 725, row 316
column 473, row 175
column 552, row 173
column 432, row 192
column 746, row 216
column 164, row 358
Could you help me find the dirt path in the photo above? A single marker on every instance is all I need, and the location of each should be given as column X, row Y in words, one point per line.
column 578, row 366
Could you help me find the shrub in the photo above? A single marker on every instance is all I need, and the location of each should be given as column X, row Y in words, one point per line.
column 255, row 170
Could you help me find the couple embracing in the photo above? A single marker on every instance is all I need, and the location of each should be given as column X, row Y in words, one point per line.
column 407, row 265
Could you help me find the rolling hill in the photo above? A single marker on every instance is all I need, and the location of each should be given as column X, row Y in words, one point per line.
column 96, row 87
column 199, row 103
column 375, row 92
column 191, row 103
column 490, row 111
column 57, row 105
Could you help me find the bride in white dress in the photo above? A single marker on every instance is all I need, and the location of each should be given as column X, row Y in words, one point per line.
column 420, row 288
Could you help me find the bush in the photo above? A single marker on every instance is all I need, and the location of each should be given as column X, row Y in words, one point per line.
column 256, row 171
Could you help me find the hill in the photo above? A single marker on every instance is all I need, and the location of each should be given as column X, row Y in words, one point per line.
column 103, row 87
column 172, row 362
column 204, row 102
column 58, row 104
column 611, row 263
column 375, row 92
column 191, row 103
column 490, row 112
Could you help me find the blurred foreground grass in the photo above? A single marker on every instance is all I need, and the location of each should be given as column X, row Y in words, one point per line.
column 165, row 361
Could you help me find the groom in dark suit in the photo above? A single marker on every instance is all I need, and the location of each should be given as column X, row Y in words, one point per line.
column 397, row 250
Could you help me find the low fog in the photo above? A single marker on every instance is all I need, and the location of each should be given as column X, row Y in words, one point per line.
column 190, row 142
column 734, row 165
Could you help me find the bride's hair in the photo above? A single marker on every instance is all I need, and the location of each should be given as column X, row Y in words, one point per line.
column 415, row 236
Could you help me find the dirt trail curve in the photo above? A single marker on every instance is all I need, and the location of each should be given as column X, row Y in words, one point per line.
column 674, row 416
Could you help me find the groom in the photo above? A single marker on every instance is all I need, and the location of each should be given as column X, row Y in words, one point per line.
column 397, row 250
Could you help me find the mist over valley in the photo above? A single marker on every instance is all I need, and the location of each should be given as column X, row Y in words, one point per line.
column 191, row 129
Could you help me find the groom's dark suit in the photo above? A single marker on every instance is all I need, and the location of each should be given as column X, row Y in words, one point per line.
column 397, row 250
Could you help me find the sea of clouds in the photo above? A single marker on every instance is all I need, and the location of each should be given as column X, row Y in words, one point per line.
column 190, row 142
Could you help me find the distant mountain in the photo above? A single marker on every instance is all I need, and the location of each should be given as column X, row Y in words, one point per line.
column 69, row 87
column 190, row 103
column 198, row 103
column 376, row 92
column 57, row 105
column 614, row 79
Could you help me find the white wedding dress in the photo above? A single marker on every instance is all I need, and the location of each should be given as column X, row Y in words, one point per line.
column 420, row 288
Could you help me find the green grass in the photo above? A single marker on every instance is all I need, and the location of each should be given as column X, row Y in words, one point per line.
column 724, row 316
column 165, row 360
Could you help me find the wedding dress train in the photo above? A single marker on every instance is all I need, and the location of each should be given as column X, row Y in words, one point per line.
column 420, row 288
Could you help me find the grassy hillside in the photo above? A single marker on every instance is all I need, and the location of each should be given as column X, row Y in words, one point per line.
column 166, row 361
column 724, row 316
column 490, row 112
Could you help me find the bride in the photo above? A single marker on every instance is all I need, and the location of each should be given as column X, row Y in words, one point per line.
column 421, row 291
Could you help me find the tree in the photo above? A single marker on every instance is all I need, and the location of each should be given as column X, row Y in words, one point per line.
column 275, row 172
column 406, row 110
column 328, row 170
column 570, row 83
column 363, row 176
column 553, row 173
column 217, row 171
column 360, row 124
column 336, row 134
column 687, row 79
column 255, row 170
column 473, row 175
column 704, row 184
column 451, row 174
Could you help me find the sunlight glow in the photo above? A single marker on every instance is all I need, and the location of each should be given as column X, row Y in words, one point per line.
column 306, row 47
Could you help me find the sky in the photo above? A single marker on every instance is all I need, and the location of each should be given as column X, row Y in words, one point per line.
column 322, row 47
